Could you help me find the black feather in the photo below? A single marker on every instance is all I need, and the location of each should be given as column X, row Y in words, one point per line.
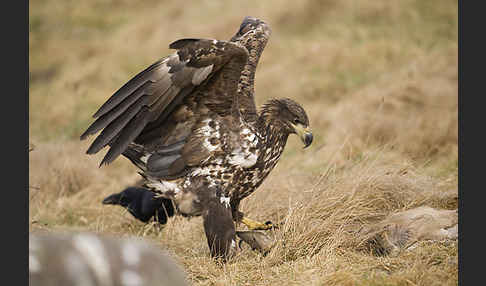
column 142, row 204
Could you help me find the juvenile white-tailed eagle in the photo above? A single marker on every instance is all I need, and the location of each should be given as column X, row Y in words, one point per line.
column 189, row 122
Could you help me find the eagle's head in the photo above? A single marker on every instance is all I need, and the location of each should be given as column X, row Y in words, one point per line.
column 289, row 117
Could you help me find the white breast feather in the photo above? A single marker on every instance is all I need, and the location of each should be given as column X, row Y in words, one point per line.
column 242, row 159
column 164, row 186
column 242, row 156
column 209, row 146
column 209, row 132
column 225, row 201
column 201, row 172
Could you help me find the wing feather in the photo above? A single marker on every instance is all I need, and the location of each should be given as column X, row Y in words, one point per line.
column 115, row 127
column 253, row 35
column 130, row 132
column 151, row 74
column 118, row 110
column 144, row 103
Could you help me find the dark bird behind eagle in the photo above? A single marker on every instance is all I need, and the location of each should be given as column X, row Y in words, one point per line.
column 142, row 204
column 191, row 117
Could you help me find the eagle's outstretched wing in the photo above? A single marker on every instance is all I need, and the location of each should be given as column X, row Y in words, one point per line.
column 253, row 34
column 158, row 107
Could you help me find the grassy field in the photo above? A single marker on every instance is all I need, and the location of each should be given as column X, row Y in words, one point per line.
column 379, row 82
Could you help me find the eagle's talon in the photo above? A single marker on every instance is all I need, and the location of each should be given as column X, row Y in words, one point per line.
column 271, row 225
column 268, row 225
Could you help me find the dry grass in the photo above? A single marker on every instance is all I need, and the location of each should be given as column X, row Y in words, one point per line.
column 378, row 80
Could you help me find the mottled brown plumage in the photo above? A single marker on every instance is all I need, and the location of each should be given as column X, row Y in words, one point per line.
column 192, row 116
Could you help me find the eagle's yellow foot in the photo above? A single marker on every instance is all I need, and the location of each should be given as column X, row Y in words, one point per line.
column 255, row 225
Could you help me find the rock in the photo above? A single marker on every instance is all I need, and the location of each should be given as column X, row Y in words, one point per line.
column 402, row 230
column 91, row 259
column 257, row 240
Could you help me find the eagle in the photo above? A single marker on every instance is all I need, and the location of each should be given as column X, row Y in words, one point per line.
column 190, row 124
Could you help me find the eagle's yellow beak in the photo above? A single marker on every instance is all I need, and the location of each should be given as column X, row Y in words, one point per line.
column 304, row 133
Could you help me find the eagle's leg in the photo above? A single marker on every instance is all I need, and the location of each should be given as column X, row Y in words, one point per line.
column 219, row 228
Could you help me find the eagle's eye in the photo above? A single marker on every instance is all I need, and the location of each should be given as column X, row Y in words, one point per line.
column 297, row 121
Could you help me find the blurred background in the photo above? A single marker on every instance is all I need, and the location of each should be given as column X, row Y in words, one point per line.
column 378, row 80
